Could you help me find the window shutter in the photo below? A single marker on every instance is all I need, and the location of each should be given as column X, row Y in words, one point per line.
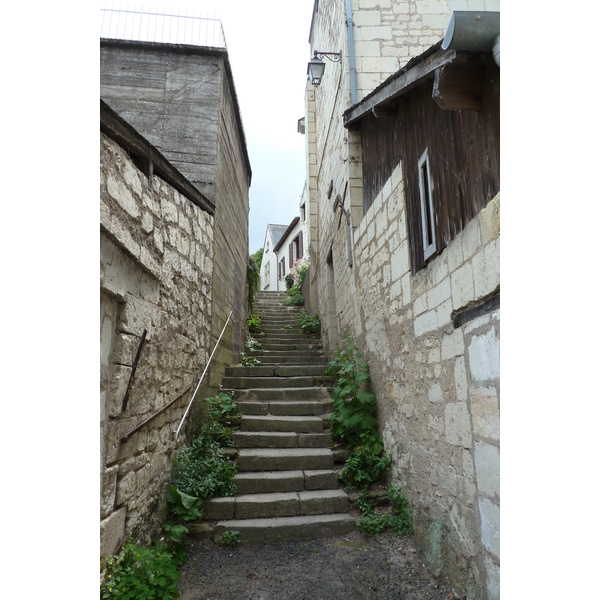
column 300, row 248
column 291, row 254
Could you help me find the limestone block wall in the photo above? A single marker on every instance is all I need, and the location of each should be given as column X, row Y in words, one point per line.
column 156, row 269
column 437, row 385
column 388, row 33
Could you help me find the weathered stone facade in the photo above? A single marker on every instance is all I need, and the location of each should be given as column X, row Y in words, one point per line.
column 182, row 100
column 156, row 273
column 436, row 377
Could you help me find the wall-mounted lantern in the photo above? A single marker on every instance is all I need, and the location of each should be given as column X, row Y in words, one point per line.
column 316, row 66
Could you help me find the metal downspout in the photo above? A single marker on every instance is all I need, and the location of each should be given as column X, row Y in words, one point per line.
column 350, row 26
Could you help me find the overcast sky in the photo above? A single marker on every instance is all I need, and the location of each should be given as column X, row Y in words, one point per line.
column 267, row 41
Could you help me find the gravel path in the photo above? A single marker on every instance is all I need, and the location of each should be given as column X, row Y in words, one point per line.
column 351, row 567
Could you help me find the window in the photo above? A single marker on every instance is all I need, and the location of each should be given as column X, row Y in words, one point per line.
column 296, row 249
column 427, row 214
column 281, row 269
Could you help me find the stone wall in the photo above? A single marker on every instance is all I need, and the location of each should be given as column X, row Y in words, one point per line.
column 182, row 99
column 437, row 385
column 388, row 33
column 156, row 271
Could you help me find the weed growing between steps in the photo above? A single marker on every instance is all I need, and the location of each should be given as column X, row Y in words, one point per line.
column 354, row 421
column 248, row 361
column 309, row 325
column 254, row 323
column 230, row 537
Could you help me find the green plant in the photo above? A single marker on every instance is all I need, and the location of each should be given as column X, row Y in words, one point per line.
column 231, row 537
column 364, row 466
column 309, row 325
column 354, row 416
column 402, row 520
column 398, row 518
column 297, row 274
column 253, row 344
column 254, row 323
column 289, row 281
column 248, row 361
column 253, row 276
column 201, row 470
column 139, row 573
column 183, row 507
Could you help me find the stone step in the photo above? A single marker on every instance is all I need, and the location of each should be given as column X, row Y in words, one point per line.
column 281, row 439
column 276, row 370
column 252, row 482
column 276, row 504
column 267, row 394
column 282, row 459
column 284, row 529
column 247, row 383
column 288, row 358
column 287, row 345
column 286, row 407
column 298, row 424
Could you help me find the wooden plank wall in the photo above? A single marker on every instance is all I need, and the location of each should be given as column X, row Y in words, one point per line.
column 464, row 154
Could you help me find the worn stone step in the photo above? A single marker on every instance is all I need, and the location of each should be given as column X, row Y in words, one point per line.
column 252, row 482
column 299, row 424
column 266, row 394
column 271, row 382
column 288, row 358
column 276, row 370
column 288, row 528
column 296, row 408
column 281, row 459
column 276, row 504
column 281, row 439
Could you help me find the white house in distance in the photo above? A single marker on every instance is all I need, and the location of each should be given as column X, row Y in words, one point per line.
column 284, row 246
column 268, row 267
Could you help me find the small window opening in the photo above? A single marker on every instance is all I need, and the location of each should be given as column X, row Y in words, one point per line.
column 427, row 214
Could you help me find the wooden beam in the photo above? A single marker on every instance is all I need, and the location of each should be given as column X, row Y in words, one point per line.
column 459, row 87
column 399, row 85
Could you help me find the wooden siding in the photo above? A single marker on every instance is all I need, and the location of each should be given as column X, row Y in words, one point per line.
column 464, row 155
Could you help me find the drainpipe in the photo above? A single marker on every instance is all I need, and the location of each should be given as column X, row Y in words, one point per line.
column 350, row 26
column 474, row 31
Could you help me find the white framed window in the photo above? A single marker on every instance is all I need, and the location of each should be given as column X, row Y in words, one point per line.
column 427, row 214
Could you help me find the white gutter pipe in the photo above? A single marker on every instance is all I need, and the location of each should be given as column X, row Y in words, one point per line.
column 350, row 26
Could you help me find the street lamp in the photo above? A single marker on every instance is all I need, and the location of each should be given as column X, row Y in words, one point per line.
column 316, row 66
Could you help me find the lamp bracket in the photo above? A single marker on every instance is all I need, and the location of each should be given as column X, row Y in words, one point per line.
column 332, row 56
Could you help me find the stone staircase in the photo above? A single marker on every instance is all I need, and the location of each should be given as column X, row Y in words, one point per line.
column 288, row 488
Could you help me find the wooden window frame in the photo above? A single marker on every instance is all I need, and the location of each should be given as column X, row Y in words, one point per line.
column 427, row 208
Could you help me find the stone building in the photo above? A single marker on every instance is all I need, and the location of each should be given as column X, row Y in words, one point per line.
column 174, row 186
column 182, row 99
column 156, row 274
column 403, row 179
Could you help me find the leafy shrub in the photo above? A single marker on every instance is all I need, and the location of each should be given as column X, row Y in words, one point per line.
column 354, row 416
column 373, row 522
column 309, row 325
column 289, row 281
column 253, row 279
column 139, row 573
column 363, row 467
column 254, row 323
column 297, row 274
column 201, row 470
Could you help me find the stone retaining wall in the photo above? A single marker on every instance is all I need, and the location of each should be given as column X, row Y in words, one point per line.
column 156, row 268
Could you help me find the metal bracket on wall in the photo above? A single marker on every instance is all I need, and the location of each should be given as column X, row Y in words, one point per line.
column 133, row 368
